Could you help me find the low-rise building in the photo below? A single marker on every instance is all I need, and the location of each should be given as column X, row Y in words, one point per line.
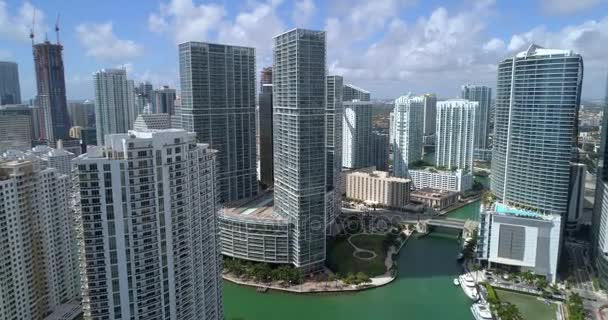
column 250, row 229
column 456, row 180
column 377, row 187
column 435, row 198
column 521, row 238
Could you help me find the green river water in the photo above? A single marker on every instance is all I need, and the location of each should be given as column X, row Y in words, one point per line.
column 423, row 290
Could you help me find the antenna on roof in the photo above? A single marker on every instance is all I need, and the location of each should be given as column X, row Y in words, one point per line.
column 32, row 27
column 57, row 27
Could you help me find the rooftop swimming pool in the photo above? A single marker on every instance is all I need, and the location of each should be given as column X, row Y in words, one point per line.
column 501, row 208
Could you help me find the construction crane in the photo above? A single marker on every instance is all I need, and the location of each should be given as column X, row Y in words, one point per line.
column 57, row 27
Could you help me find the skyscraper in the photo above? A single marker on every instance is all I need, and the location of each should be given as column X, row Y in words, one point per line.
column 10, row 92
column 39, row 269
column 50, row 82
column 535, row 135
column 82, row 113
column 483, row 95
column 455, row 134
column 299, row 142
column 151, row 250
column 430, row 117
column 600, row 211
column 218, row 104
column 356, row 132
column 379, row 150
column 113, row 102
column 265, row 126
column 16, row 130
column 408, row 132
column 351, row 92
column 333, row 120
column 164, row 100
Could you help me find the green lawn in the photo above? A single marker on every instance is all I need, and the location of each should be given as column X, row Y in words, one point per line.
column 529, row 306
column 340, row 255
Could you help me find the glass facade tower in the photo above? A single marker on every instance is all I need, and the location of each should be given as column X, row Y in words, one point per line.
column 299, row 95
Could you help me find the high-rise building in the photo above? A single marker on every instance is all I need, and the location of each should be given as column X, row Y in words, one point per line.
column 356, row 132
column 113, row 102
column 534, row 143
column 144, row 93
column 176, row 119
column 82, row 113
column 218, row 104
column 483, row 95
column 265, row 126
column 600, row 211
column 379, row 150
column 50, row 82
column 150, row 242
column 334, row 111
column 39, row 269
column 351, row 92
column 430, row 117
column 391, row 128
column 455, row 134
column 408, row 133
column 164, row 100
column 299, row 142
column 16, row 130
column 10, row 91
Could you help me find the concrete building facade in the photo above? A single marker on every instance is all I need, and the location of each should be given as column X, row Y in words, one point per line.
column 10, row 89
column 150, row 243
column 408, row 133
column 455, row 135
column 482, row 95
column 379, row 188
column 114, row 98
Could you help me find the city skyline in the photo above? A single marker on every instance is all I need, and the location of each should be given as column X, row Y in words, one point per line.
column 130, row 38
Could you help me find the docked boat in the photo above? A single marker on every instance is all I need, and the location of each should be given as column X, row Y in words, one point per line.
column 481, row 311
column 460, row 256
column 468, row 286
column 456, row 282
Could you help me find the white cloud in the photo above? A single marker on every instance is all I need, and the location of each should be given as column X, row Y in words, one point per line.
column 100, row 42
column 17, row 25
column 304, row 10
column 186, row 21
column 494, row 44
column 5, row 54
column 254, row 28
column 567, row 6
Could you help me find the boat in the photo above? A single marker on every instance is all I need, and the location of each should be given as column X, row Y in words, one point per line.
column 456, row 282
column 468, row 286
column 460, row 256
column 481, row 311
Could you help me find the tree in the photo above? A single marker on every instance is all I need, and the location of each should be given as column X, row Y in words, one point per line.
column 362, row 278
column 508, row 311
column 574, row 305
column 542, row 284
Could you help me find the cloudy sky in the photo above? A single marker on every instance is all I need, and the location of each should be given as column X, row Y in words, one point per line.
column 389, row 47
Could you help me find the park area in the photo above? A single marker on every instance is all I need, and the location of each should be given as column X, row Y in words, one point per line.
column 363, row 253
column 529, row 306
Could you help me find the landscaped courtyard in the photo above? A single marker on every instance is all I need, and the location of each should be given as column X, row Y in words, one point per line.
column 529, row 306
column 344, row 258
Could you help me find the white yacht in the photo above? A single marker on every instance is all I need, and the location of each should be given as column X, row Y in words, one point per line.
column 481, row 311
column 468, row 286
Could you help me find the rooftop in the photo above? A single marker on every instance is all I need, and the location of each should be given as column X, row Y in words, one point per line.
column 536, row 50
column 433, row 193
column 503, row 209
column 260, row 207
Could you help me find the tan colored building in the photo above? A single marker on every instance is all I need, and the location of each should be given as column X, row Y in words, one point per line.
column 435, row 198
column 378, row 187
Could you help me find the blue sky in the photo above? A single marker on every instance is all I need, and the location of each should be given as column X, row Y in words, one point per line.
column 389, row 47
